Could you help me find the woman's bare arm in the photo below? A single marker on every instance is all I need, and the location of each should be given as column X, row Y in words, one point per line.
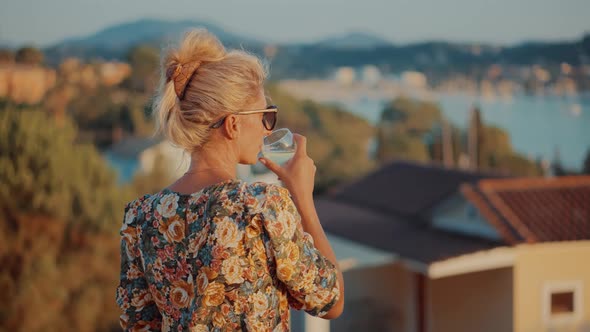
column 298, row 175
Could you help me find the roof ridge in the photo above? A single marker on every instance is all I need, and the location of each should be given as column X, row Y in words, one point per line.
column 440, row 167
column 478, row 199
column 531, row 183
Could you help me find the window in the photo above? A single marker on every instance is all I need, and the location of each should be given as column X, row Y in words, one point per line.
column 562, row 302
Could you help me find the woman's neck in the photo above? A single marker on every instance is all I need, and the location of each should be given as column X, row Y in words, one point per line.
column 211, row 161
column 206, row 168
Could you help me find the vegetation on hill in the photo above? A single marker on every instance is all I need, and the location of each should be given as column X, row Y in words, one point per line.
column 412, row 130
column 60, row 209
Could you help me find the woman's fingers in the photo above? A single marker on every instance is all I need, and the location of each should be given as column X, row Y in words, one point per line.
column 300, row 144
column 274, row 167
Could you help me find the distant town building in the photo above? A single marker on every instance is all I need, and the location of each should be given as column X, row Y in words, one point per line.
column 113, row 73
column 73, row 71
column 270, row 51
column 476, row 49
column 176, row 158
column 414, row 79
column 541, row 74
column 371, row 75
column 345, row 76
column 25, row 84
column 565, row 86
column 566, row 68
column 494, row 72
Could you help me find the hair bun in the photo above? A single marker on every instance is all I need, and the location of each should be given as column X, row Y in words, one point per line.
column 181, row 74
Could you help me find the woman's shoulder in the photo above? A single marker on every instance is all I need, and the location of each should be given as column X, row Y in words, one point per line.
column 137, row 202
column 133, row 208
column 261, row 190
column 262, row 196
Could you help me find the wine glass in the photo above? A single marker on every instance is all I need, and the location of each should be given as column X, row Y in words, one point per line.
column 279, row 146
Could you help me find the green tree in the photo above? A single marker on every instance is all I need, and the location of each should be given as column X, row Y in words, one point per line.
column 97, row 114
column 100, row 112
column 29, row 55
column 475, row 139
column 6, row 55
column 417, row 117
column 586, row 165
column 396, row 143
column 43, row 171
column 405, row 126
column 497, row 154
column 60, row 211
column 496, row 142
column 144, row 61
column 517, row 165
column 411, row 129
column 136, row 113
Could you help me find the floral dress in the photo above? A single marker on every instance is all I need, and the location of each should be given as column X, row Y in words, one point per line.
column 232, row 256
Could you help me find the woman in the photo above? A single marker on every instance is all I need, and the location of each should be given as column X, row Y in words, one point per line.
column 210, row 252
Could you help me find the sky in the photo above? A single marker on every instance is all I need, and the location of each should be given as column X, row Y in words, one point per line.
column 43, row 23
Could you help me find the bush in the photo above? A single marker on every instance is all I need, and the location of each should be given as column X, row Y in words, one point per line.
column 42, row 171
column 60, row 210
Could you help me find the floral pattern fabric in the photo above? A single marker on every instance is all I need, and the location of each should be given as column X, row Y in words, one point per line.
column 232, row 256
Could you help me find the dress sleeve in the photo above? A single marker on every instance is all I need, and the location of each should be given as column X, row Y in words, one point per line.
column 310, row 277
column 139, row 311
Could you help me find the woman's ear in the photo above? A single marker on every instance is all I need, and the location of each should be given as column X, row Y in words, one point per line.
column 231, row 127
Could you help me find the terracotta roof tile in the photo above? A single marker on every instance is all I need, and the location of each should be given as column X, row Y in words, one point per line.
column 508, row 233
column 539, row 209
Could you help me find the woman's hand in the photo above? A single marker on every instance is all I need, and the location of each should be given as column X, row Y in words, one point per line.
column 298, row 174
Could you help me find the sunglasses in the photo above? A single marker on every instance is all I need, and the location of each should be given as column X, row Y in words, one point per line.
column 269, row 119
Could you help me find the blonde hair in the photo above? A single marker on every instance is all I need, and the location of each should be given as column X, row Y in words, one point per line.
column 200, row 82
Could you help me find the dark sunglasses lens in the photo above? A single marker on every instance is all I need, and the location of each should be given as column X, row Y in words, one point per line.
column 269, row 120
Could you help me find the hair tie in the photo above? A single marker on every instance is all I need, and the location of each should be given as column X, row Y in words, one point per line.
column 181, row 74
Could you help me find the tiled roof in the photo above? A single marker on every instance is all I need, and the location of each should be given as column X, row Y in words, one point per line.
column 534, row 209
column 407, row 189
column 420, row 244
column 381, row 211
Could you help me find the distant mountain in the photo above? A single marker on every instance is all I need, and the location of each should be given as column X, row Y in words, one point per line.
column 5, row 44
column 320, row 58
column 573, row 52
column 436, row 58
column 354, row 40
column 115, row 41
